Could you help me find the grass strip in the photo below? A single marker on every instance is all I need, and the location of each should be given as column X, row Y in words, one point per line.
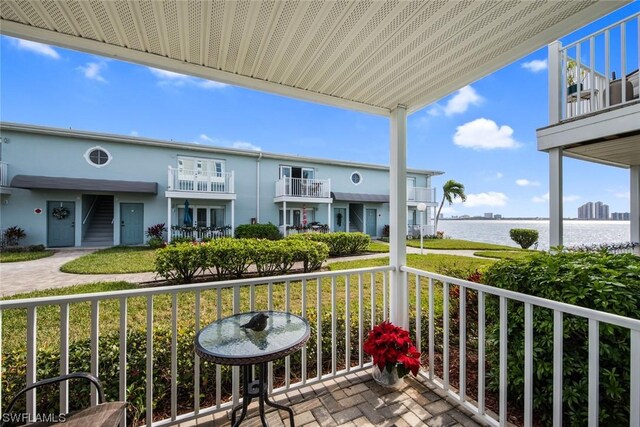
column 23, row 256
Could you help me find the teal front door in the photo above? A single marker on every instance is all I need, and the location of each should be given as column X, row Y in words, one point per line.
column 61, row 224
column 372, row 225
column 131, row 223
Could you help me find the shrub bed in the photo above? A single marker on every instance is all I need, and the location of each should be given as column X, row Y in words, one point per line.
column 599, row 281
column 340, row 243
column 258, row 231
column 228, row 258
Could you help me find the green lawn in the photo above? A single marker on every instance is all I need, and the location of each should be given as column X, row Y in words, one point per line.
column 116, row 260
column 23, row 256
column 506, row 254
column 378, row 247
column 458, row 244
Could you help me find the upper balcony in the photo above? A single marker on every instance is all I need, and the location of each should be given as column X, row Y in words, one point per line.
column 200, row 185
column 4, row 178
column 303, row 190
column 593, row 96
column 417, row 195
column 4, row 181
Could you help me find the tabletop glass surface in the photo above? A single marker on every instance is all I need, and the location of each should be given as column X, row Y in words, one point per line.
column 225, row 337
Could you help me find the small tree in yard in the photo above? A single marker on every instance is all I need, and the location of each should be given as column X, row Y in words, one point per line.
column 525, row 237
column 451, row 190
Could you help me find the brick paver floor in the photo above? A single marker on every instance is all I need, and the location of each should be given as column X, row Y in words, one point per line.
column 357, row 401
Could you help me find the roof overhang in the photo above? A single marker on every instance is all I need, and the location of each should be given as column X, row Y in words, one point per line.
column 32, row 182
column 360, row 197
column 368, row 56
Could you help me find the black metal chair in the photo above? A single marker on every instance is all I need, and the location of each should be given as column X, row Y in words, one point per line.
column 103, row 414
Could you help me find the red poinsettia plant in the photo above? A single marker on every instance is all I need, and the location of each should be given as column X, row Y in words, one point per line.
column 391, row 347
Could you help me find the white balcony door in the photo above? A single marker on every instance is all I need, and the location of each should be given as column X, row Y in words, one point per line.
column 411, row 188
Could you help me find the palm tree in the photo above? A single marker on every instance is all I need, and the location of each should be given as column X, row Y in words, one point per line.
column 450, row 191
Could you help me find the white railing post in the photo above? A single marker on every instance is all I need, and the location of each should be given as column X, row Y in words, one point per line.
column 398, row 297
column 554, row 70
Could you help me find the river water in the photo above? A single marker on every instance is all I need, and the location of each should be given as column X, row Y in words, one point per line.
column 575, row 232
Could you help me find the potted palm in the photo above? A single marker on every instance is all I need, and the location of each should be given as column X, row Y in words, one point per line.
column 393, row 352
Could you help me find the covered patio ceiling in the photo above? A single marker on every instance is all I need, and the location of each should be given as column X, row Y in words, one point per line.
column 368, row 56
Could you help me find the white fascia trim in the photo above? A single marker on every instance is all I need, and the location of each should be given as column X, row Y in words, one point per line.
column 199, row 195
column 567, row 26
column 618, row 121
column 40, row 35
column 301, row 199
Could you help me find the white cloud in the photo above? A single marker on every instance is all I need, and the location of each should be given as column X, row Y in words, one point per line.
column 458, row 103
column 484, row 134
column 624, row 195
column 203, row 138
column 39, row 48
column 92, row 71
column 169, row 78
column 206, row 138
column 522, row 182
column 242, row 145
column 536, row 65
column 134, row 133
column 545, row 198
column 490, row 198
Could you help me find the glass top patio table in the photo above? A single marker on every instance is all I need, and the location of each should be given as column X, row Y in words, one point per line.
column 225, row 342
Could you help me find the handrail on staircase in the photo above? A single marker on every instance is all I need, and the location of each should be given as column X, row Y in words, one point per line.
column 89, row 211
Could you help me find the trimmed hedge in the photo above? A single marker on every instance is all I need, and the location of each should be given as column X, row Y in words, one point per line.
column 599, row 281
column 228, row 258
column 525, row 237
column 340, row 243
column 258, row 231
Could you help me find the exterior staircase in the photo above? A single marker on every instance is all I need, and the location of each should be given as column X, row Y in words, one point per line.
column 352, row 227
column 100, row 230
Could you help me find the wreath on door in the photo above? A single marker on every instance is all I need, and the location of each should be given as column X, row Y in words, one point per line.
column 60, row 212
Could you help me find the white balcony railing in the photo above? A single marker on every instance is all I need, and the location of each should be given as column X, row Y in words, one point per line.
column 470, row 343
column 309, row 295
column 341, row 306
column 302, row 187
column 596, row 72
column 413, row 230
column 4, row 171
column 421, row 194
column 200, row 182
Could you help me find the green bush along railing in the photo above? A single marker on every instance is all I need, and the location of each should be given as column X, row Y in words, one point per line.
column 340, row 243
column 599, row 281
column 48, row 365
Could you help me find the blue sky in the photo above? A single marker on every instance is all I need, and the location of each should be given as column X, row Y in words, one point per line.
column 482, row 135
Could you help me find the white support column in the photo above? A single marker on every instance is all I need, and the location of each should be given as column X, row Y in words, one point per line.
column 169, row 220
column 329, row 216
column 555, row 78
column 398, row 296
column 634, row 189
column 555, row 197
column 233, row 217
column 284, row 218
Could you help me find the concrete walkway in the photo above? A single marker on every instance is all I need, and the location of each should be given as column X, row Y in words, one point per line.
column 17, row 277
column 26, row 276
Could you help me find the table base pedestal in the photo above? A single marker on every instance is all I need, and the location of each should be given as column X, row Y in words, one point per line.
column 256, row 388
